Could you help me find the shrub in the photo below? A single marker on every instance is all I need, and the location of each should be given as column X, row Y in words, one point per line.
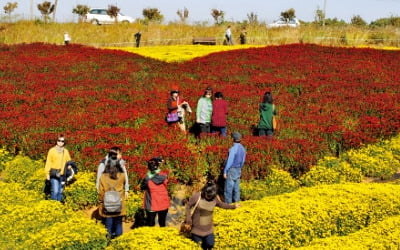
column 382, row 235
column 152, row 238
column 374, row 161
column 82, row 193
column 331, row 170
column 74, row 233
column 20, row 169
column 277, row 182
column 295, row 219
column 5, row 156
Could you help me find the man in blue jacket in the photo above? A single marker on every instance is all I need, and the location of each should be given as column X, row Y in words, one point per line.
column 233, row 169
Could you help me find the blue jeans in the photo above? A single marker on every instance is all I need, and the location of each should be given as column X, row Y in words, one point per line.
column 56, row 189
column 221, row 130
column 207, row 242
column 232, row 182
column 113, row 225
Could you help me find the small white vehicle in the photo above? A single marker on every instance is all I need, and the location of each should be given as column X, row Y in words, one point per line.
column 100, row 16
column 284, row 23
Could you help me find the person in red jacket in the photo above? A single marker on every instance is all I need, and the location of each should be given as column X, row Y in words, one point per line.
column 219, row 114
column 156, row 199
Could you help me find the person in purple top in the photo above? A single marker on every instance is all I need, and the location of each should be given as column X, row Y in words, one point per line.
column 233, row 169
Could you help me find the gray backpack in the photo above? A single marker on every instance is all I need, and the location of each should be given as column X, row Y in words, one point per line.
column 112, row 201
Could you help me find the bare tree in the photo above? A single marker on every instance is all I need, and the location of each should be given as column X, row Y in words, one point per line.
column 183, row 14
column 9, row 8
column 252, row 17
column 46, row 8
column 81, row 11
column 218, row 16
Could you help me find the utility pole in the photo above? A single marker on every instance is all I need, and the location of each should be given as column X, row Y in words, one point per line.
column 31, row 10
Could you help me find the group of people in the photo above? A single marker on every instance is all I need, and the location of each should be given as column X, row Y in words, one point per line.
column 228, row 36
column 211, row 115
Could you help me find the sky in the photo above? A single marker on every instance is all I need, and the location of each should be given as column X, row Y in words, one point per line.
column 235, row 10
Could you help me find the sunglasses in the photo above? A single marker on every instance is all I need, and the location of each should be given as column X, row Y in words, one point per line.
column 61, row 141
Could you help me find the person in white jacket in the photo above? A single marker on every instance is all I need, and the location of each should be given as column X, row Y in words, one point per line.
column 114, row 154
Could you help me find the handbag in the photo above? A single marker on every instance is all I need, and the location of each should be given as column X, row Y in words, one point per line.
column 55, row 173
column 172, row 117
column 185, row 228
column 274, row 123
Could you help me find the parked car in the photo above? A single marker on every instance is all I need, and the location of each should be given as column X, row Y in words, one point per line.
column 284, row 23
column 100, row 16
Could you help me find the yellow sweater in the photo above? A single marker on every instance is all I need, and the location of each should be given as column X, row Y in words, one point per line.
column 56, row 160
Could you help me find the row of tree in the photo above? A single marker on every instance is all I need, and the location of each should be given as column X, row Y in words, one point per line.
column 46, row 8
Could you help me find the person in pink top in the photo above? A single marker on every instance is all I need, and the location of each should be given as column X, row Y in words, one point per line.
column 219, row 115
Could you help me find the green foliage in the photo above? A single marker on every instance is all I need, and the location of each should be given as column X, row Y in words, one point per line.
column 358, row 21
column 277, row 182
column 390, row 21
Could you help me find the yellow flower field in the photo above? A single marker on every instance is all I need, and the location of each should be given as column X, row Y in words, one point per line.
column 180, row 53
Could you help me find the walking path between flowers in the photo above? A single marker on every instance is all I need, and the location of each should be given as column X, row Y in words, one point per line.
column 176, row 211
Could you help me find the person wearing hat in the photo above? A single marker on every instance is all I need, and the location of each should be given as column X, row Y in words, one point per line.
column 204, row 112
column 156, row 199
column 233, row 169
column 178, row 108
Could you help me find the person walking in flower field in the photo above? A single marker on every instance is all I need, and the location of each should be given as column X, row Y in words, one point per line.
column 219, row 114
column 201, row 219
column 56, row 160
column 156, row 198
column 204, row 112
column 267, row 112
column 177, row 109
column 112, row 179
column 233, row 169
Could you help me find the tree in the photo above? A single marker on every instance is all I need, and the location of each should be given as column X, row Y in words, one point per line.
column 288, row 15
column 9, row 8
column 152, row 15
column 218, row 16
column 113, row 11
column 81, row 11
column 183, row 14
column 319, row 16
column 46, row 8
column 358, row 21
column 253, row 18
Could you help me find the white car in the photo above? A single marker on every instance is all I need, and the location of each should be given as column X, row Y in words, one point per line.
column 283, row 23
column 100, row 16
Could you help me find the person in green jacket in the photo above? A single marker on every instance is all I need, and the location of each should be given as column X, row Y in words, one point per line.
column 267, row 111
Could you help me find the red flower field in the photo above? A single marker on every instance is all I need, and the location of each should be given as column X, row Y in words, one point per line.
column 329, row 100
